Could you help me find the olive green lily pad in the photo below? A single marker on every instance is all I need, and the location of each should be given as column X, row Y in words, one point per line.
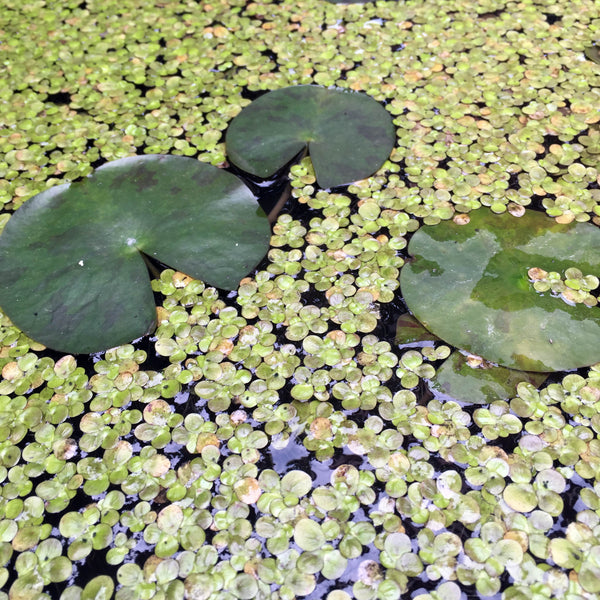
column 349, row 135
column 480, row 385
column 469, row 285
column 72, row 271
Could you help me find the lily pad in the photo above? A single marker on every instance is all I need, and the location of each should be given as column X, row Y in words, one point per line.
column 469, row 285
column 72, row 271
column 349, row 135
column 480, row 385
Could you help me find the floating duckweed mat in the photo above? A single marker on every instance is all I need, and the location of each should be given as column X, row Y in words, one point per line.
column 274, row 442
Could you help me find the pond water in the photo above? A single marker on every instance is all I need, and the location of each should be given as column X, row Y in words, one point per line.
column 274, row 442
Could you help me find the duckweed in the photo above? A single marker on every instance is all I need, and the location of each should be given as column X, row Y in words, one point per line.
column 276, row 439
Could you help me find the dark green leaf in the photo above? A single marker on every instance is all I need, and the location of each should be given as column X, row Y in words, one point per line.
column 72, row 271
column 349, row 135
column 469, row 285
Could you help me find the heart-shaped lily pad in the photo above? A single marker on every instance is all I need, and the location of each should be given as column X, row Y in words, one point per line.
column 72, row 271
column 349, row 135
column 469, row 285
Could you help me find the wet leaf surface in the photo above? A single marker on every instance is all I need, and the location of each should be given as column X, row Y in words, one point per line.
column 468, row 284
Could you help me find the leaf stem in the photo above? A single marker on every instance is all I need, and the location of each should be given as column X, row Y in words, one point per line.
column 287, row 192
column 285, row 196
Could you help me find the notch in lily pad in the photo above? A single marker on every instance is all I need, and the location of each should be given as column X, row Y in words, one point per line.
column 73, row 273
column 348, row 135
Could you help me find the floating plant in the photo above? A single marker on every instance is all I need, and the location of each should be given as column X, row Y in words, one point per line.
column 72, row 268
column 348, row 135
column 477, row 287
column 486, row 114
column 75, row 245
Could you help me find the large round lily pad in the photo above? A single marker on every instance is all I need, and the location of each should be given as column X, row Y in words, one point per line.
column 72, row 273
column 349, row 135
column 469, row 285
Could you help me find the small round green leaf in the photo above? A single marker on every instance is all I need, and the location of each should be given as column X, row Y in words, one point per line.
column 469, row 285
column 98, row 588
column 296, row 482
column 349, row 135
column 59, row 569
column 520, row 497
column 72, row 524
column 308, row 535
column 72, row 268
column 244, row 586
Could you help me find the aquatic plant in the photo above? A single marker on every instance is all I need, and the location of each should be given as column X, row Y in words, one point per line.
column 72, row 259
column 480, row 285
column 348, row 136
column 494, row 106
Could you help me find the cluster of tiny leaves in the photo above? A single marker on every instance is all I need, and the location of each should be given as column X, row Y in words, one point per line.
column 574, row 288
column 274, row 443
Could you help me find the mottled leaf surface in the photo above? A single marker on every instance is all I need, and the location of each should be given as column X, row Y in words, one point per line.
column 72, row 274
column 349, row 135
column 469, row 285
column 480, row 385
